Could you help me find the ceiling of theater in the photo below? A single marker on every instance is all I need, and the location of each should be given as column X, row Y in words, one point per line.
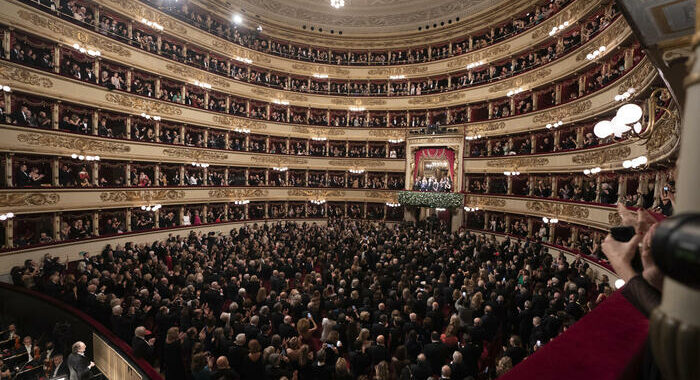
column 361, row 17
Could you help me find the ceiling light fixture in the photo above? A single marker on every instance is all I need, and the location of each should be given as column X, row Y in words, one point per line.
column 320, row 76
column 244, row 60
column 625, row 95
column 5, row 88
column 392, row 204
column 471, row 209
column 596, row 53
column 243, row 202
column 397, row 77
column 337, row 4
column 554, row 125
column 237, row 19
column 356, row 109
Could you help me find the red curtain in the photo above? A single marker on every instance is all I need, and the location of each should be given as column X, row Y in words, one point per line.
column 434, row 153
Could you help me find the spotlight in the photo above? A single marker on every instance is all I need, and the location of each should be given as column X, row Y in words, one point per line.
column 237, row 19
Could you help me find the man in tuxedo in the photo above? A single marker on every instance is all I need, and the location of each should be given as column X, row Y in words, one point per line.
column 420, row 370
column 28, row 347
column 78, row 365
column 60, row 368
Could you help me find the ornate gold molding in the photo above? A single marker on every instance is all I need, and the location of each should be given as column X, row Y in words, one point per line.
column 136, row 103
column 238, row 193
column 558, row 209
column 194, row 154
column 600, row 157
column 520, row 162
column 481, row 201
column 485, row 127
column 281, row 95
column 360, row 163
column 320, row 69
column 187, row 72
column 637, row 78
column 76, row 34
column 279, row 161
column 385, row 196
column 238, row 122
column 78, row 144
column 563, row 112
column 437, row 99
column 21, row 199
column 481, row 55
column 358, row 102
column 665, row 129
column 17, row 74
column 401, row 70
column 315, row 194
column 319, row 131
column 389, row 133
column 614, row 219
column 119, row 196
column 521, row 80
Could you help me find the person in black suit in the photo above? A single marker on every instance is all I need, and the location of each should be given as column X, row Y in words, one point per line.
column 224, row 371
column 378, row 352
column 436, row 352
column 22, row 179
column 142, row 348
column 420, row 370
column 78, row 365
column 60, row 367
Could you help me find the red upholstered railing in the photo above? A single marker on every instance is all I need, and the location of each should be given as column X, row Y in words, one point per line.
column 597, row 347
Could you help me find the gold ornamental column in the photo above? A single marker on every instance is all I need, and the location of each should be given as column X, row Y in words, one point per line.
column 674, row 328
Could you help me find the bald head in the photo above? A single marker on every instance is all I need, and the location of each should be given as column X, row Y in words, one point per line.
column 221, row 362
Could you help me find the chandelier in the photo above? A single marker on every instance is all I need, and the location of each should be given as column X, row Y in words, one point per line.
column 337, row 3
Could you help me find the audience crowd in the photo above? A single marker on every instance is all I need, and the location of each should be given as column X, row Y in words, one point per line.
column 348, row 300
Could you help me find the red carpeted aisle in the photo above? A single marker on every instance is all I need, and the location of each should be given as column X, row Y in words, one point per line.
column 597, row 347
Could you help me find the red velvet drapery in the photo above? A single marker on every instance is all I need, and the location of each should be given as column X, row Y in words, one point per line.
column 434, row 153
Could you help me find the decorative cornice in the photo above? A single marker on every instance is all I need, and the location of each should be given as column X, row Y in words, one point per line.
column 18, row 74
column 600, row 157
column 614, row 219
column 637, row 78
column 320, row 69
column 315, row 194
column 119, row 196
column 521, row 80
column 483, row 201
column 21, row 199
column 482, row 55
column 279, row 161
column 190, row 73
column 520, row 162
column 280, row 95
column 401, row 70
column 194, row 154
column 557, row 209
column 74, row 33
column 563, row 112
column 385, row 132
column 385, row 196
column 665, row 129
column 238, row 122
column 77, row 144
column 319, row 131
column 485, row 127
column 238, row 193
column 437, row 99
column 358, row 102
column 360, row 163
column 148, row 106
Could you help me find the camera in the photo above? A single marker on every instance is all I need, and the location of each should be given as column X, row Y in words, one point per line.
column 675, row 248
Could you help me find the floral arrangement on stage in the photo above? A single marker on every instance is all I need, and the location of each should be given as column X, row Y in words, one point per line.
column 431, row 199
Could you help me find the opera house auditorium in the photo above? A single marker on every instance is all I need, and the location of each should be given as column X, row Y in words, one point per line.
column 349, row 189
